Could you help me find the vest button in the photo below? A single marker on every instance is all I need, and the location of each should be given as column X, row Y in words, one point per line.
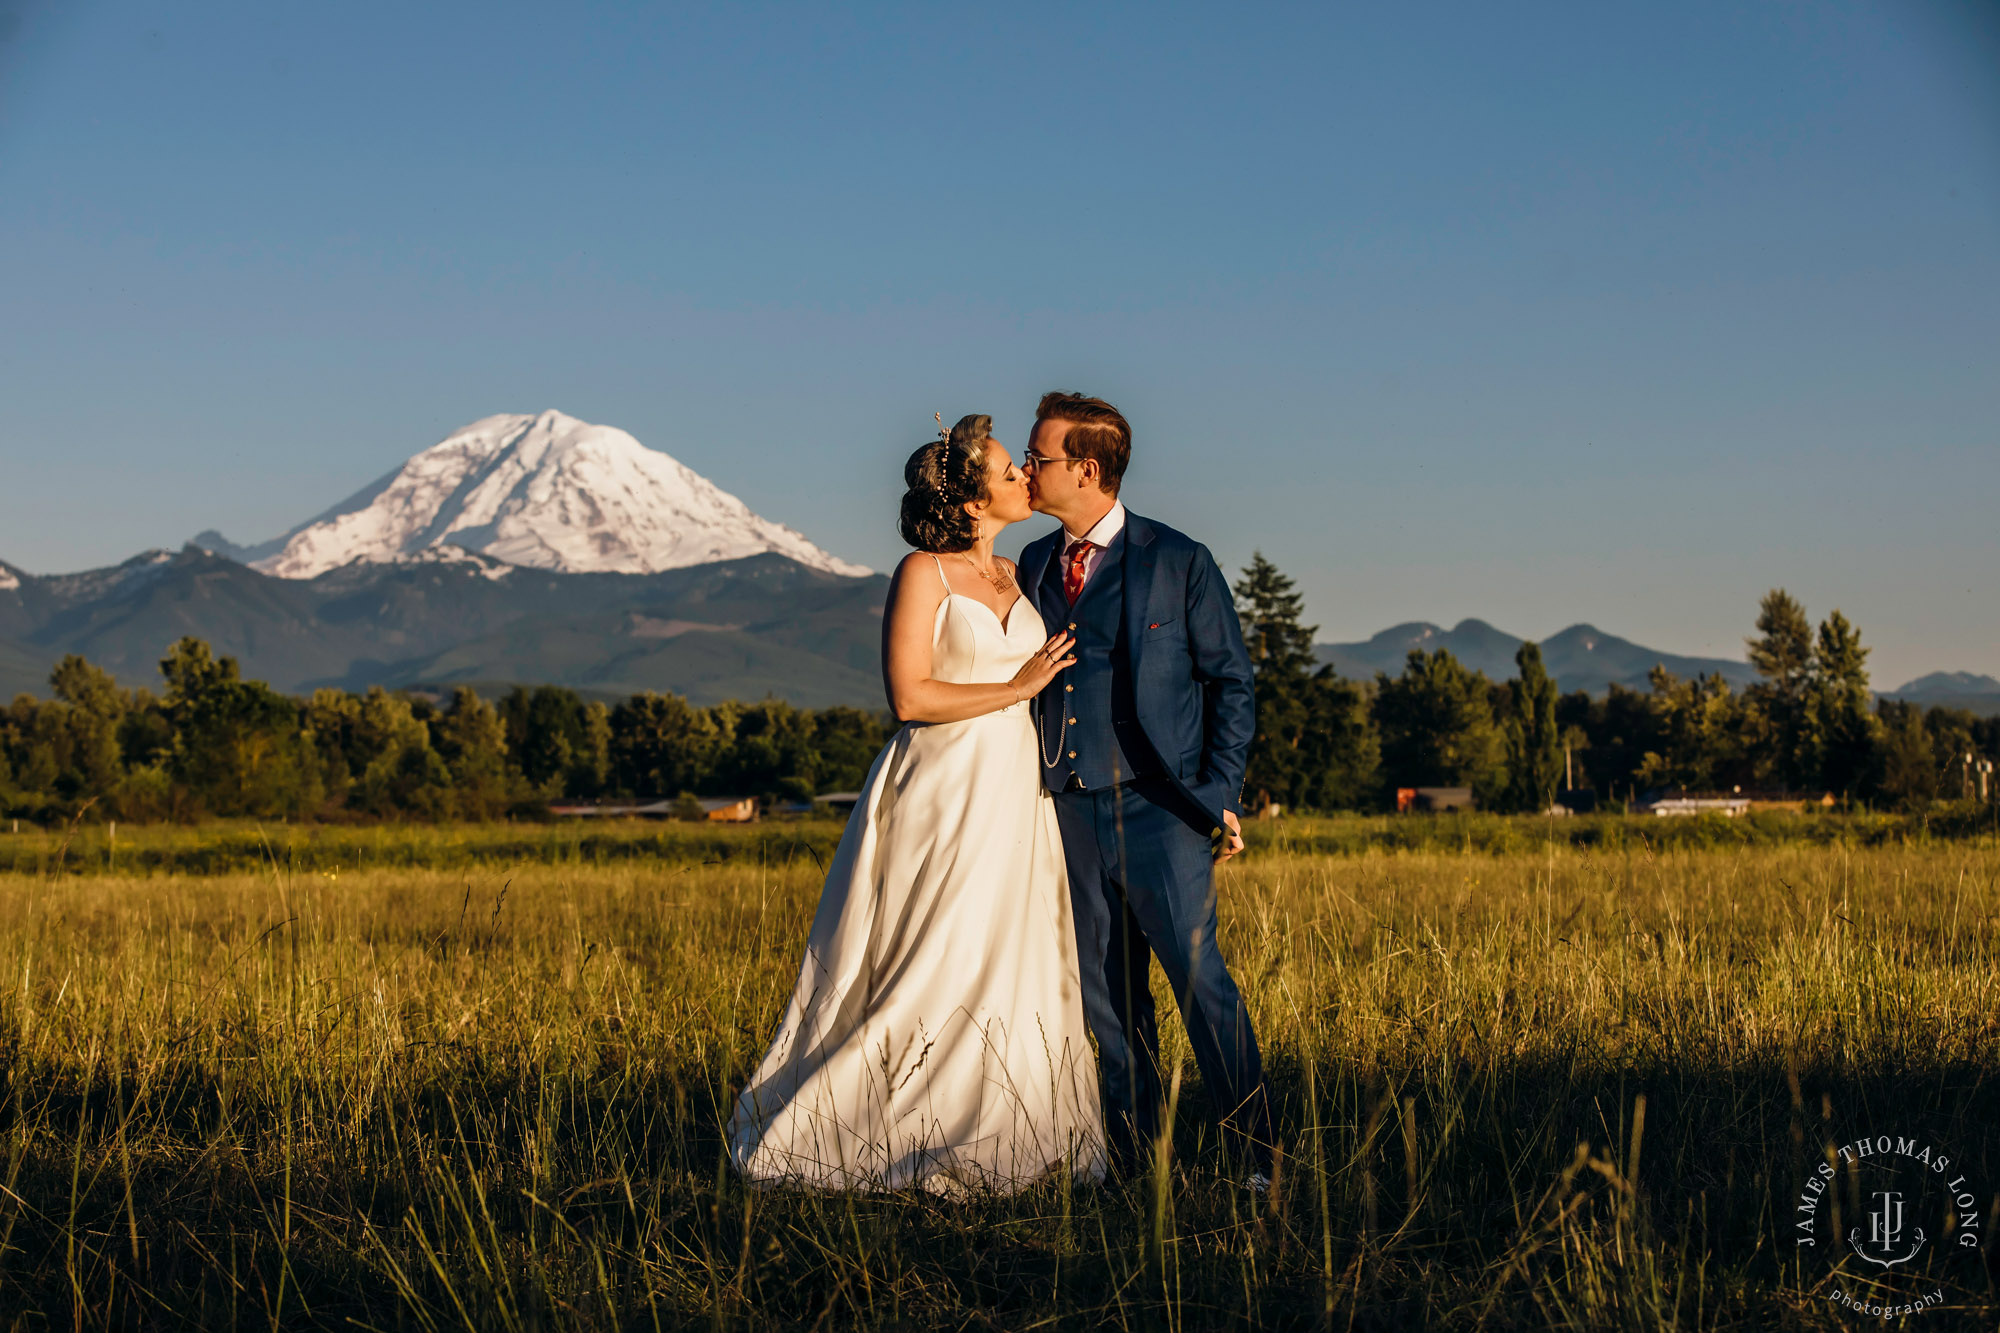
column 1072, row 722
column 1068, row 689
column 1072, row 754
column 1072, row 624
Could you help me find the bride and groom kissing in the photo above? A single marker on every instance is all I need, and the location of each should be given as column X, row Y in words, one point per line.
column 1044, row 824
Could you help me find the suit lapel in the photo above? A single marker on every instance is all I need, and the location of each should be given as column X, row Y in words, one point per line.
column 1036, row 561
column 1138, row 569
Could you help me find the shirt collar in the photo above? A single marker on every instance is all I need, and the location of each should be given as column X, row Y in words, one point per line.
column 1103, row 531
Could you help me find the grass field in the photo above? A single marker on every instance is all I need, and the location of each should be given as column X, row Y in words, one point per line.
column 222, row 846
column 1558, row 1086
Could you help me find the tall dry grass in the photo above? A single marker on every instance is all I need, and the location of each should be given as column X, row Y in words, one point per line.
column 1562, row 1088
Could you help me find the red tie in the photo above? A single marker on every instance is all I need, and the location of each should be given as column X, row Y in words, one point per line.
column 1073, row 576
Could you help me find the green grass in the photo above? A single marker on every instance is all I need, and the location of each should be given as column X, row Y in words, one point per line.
column 248, row 847
column 463, row 1081
column 226, row 847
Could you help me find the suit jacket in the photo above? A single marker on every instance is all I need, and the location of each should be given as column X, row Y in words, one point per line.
column 1192, row 684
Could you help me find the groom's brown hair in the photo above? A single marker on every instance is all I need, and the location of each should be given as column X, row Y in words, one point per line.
column 1097, row 431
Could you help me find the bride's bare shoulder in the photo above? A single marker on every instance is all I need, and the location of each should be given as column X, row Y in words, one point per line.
column 918, row 563
column 918, row 578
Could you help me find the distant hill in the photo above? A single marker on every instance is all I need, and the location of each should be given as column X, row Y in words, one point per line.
column 727, row 629
column 1953, row 689
column 1581, row 657
column 764, row 624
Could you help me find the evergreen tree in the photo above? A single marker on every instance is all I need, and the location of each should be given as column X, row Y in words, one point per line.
column 1782, row 653
column 1280, row 764
column 1534, row 747
column 1840, row 731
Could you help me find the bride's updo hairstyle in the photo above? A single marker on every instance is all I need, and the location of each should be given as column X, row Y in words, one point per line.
column 943, row 477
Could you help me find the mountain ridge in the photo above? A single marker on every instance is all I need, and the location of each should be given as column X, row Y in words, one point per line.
column 1581, row 657
column 1952, row 689
column 742, row 628
column 764, row 622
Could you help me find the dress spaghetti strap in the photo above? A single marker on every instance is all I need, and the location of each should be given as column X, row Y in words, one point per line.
column 940, row 568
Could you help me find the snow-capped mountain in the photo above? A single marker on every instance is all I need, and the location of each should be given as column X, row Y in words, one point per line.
column 546, row 491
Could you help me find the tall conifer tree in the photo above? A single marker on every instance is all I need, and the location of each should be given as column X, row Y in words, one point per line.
column 1839, row 725
column 1281, row 656
column 1534, row 748
column 1782, row 652
column 1314, row 744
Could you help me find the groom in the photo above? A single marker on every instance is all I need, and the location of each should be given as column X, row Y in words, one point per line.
column 1143, row 743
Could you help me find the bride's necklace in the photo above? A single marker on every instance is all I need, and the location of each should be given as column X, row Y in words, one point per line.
column 1002, row 582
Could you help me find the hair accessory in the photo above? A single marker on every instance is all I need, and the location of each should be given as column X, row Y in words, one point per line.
column 944, row 431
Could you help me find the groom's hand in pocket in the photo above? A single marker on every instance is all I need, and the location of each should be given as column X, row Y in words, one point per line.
column 1230, row 841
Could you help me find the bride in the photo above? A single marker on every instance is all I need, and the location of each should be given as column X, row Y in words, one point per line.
column 936, row 1037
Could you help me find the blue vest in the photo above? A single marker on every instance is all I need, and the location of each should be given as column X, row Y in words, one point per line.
column 1100, row 742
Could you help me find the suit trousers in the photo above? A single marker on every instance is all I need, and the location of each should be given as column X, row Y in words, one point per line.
column 1142, row 885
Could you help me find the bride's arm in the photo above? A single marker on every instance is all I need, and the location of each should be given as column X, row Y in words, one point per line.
column 914, row 595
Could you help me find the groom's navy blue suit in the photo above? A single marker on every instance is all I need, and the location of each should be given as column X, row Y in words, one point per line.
column 1144, row 742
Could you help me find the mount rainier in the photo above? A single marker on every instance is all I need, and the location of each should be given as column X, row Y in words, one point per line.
column 521, row 549
column 546, row 491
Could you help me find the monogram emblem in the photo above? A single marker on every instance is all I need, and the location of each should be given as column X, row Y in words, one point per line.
column 1885, row 1232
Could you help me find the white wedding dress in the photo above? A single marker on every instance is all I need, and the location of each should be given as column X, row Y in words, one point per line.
column 936, row 1038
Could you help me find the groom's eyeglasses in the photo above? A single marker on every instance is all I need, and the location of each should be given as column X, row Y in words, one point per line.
column 1030, row 460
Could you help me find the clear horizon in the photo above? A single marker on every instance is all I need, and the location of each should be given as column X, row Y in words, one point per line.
column 1537, row 319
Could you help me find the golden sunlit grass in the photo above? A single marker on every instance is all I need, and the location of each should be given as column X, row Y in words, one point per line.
column 1561, row 1087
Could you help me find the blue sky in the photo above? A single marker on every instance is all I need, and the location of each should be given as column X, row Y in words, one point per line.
column 1537, row 313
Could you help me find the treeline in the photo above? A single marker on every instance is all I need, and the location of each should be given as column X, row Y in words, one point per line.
column 216, row 744
column 1810, row 724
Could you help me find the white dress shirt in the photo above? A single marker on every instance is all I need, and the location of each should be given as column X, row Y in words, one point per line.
column 1099, row 537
